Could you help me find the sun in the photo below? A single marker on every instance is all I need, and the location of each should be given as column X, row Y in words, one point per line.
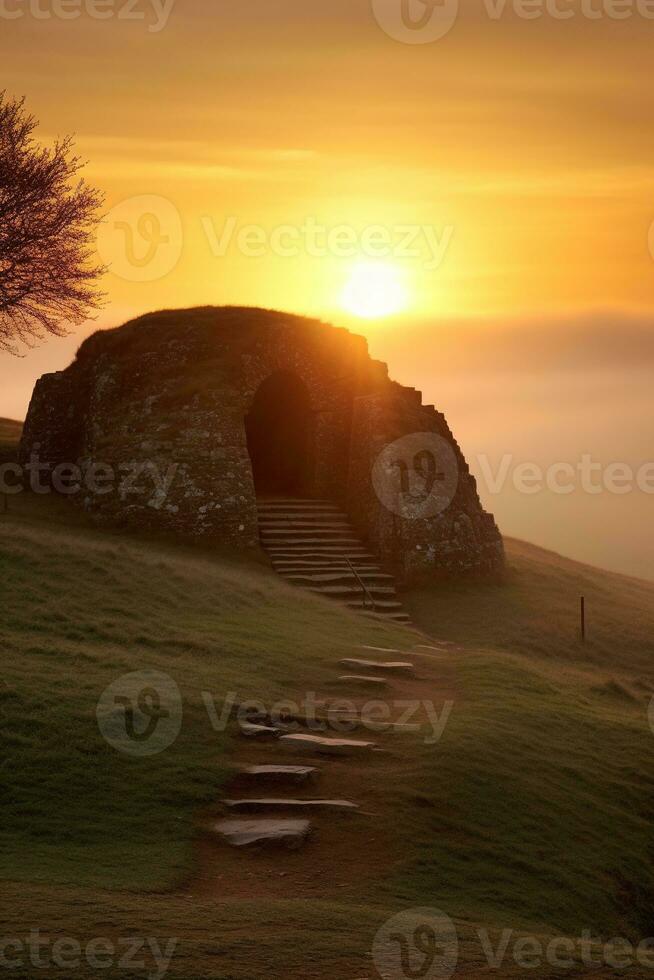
column 374, row 289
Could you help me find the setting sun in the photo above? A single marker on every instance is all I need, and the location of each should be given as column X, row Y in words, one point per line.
column 374, row 289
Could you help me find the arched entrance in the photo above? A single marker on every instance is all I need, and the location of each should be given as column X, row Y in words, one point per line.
column 279, row 437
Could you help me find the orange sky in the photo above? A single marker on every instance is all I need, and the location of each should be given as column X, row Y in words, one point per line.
column 526, row 146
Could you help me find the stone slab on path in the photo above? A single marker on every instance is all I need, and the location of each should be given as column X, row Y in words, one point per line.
column 280, row 775
column 326, row 746
column 402, row 667
column 290, row 834
column 256, row 806
column 258, row 731
column 362, row 680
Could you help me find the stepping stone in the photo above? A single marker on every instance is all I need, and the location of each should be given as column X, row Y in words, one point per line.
column 295, row 775
column 258, row 731
column 388, row 667
column 290, row 834
column 327, row 746
column 362, row 680
column 255, row 806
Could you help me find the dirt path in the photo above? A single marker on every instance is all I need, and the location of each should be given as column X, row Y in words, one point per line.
column 348, row 853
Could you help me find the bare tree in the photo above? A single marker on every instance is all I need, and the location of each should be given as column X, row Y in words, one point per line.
column 48, row 216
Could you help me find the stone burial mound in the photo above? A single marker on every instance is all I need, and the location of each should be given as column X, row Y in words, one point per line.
column 212, row 422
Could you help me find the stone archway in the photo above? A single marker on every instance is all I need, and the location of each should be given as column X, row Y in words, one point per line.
column 279, row 428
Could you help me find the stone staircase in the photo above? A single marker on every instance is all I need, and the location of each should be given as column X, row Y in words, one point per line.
column 312, row 544
column 272, row 821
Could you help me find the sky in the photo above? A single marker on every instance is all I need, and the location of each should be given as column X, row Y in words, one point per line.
column 492, row 186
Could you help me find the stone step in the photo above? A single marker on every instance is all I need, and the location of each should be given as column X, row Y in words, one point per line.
column 320, row 551
column 257, row 806
column 269, row 524
column 402, row 668
column 327, row 564
column 297, row 507
column 311, row 518
column 308, row 542
column 274, row 538
column 346, row 587
column 327, row 576
column 279, row 775
column 261, row 732
column 361, row 680
column 316, row 744
column 291, row 834
column 292, row 542
column 330, row 575
column 326, row 523
column 351, row 591
column 273, row 499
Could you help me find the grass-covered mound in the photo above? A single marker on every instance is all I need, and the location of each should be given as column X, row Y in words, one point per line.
column 10, row 433
column 80, row 609
column 534, row 811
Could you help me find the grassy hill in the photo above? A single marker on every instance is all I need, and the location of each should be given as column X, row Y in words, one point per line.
column 534, row 812
column 10, row 433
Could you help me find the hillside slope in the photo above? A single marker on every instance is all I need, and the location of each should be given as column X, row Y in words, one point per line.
column 536, row 612
column 10, row 433
column 533, row 812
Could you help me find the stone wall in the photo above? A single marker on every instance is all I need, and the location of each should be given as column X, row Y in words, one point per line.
column 169, row 393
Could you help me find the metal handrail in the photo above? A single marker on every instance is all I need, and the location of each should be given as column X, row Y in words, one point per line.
column 364, row 587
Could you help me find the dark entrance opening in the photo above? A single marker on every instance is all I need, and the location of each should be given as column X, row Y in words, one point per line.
column 279, row 436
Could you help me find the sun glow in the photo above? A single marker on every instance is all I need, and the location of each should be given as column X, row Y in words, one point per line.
column 374, row 289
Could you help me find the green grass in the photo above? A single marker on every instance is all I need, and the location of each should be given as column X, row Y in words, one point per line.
column 10, row 433
column 534, row 812
column 542, row 788
column 81, row 609
column 535, row 613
